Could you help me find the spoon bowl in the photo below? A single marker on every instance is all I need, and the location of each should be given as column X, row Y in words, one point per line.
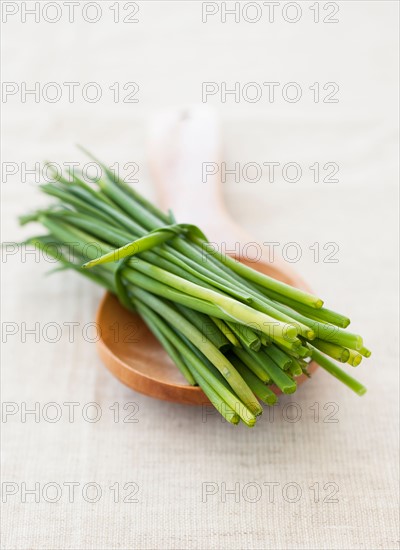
column 131, row 352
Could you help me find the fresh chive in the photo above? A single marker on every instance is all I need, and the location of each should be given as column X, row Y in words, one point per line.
column 207, row 326
column 365, row 352
column 337, row 372
column 354, row 358
column 252, row 364
column 220, row 390
column 262, row 391
column 333, row 350
column 246, row 335
column 236, row 382
column 224, row 328
column 278, row 356
column 265, row 281
column 200, row 304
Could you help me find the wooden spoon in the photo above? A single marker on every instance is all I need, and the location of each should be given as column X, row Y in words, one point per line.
column 179, row 142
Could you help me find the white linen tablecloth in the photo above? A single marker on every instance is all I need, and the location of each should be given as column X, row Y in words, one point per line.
column 157, row 475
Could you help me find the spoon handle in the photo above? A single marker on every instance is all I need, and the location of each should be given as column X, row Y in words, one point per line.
column 184, row 148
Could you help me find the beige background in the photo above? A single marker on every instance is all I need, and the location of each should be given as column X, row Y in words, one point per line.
column 171, row 452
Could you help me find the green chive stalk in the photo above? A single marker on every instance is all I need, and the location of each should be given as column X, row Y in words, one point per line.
column 261, row 390
column 338, row 373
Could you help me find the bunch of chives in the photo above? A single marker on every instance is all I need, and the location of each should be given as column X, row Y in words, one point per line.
column 233, row 331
